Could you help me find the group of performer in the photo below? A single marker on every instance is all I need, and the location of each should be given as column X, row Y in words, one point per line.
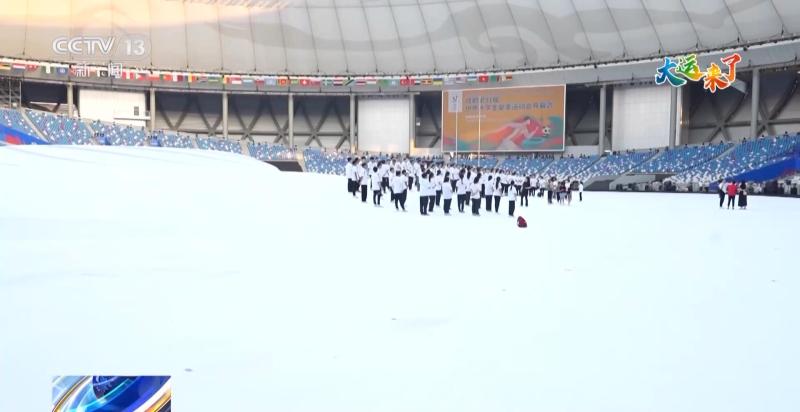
column 439, row 183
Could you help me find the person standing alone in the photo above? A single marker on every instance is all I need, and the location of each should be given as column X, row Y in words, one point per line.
column 721, row 192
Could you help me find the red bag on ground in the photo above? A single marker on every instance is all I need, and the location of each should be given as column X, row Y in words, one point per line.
column 521, row 222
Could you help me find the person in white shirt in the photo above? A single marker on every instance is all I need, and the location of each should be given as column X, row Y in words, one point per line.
column 488, row 191
column 431, row 189
column 475, row 194
column 375, row 181
column 383, row 168
column 580, row 191
column 391, row 177
column 498, row 191
column 417, row 173
column 469, row 178
column 461, row 191
column 447, row 193
column 399, row 189
column 504, row 182
column 512, row 198
column 517, row 180
column 348, row 173
column 363, row 180
column 424, row 191
column 438, row 180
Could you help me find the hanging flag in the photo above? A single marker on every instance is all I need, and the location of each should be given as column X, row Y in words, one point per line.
column 62, row 71
column 31, row 67
column 483, row 78
column 405, row 81
column 349, row 81
column 18, row 67
column 283, row 81
column 271, row 81
column 5, row 66
column 215, row 78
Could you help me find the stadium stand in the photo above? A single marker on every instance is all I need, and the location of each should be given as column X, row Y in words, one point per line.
column 264, row 152
column 222, row 145
column 478, row 161
column 568, row 166
column 118, row 135
column 525, row 165
column 749, row 155
column 331, row 163
column 615, row 164
column 13, row 119
column 172, row 140
column 60, row 129
column 682, row 158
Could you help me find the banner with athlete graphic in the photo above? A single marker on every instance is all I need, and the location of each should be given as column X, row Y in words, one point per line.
column 511, row 119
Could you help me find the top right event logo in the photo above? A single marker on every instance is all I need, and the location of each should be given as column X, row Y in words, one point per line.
column 685, row 68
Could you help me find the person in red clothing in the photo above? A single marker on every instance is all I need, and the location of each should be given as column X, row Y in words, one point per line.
column 731, row 189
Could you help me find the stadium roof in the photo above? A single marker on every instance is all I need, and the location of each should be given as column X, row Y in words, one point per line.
column 391, row 36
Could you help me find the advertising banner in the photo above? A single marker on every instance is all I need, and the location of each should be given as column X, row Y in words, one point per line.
column 512, row 119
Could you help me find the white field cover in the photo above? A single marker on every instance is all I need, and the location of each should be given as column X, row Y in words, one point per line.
column 266, row 291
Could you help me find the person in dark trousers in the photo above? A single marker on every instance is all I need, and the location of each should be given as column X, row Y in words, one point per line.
column 721, row 192
column 439, row 180
column 742, row 196
column 731, row 189
column 400, row 191
column 447, row 194
column 376, row 182
column 424, row 188
column 431, row 192
column 498, row 191
column 512, row 198
column 526, row 187
column 470, row 178
column 475, row 193
column 461, row 191
column 550, row 191
column 580, row 191
column 349, row 173
column 384, row 170
column 363, row 179
column 487, row 190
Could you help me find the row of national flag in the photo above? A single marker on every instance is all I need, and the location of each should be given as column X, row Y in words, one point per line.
column 121, row 73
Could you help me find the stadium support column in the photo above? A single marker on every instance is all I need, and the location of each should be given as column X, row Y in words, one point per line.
column 152, row 110
column 70, row 100
column 602, row 121
column 225, row 114
column 352, row 123
column 673, row 115
column 754, row 103
column 412, row 123
column 291, row 120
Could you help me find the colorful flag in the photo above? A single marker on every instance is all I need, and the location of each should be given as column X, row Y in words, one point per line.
column 483, row 78
column 283, row 81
